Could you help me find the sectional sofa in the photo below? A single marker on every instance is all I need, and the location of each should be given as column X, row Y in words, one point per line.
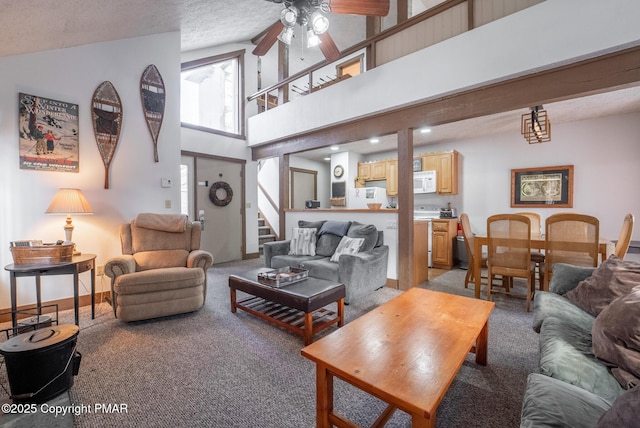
column 589, row 325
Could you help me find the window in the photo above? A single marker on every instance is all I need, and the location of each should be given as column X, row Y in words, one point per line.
column 211, row 94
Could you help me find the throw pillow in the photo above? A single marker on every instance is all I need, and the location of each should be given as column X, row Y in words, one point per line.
column 311, row 224
column 366, row 231
column 616, row 337
column 347, row 246
column 303, row 242
column 566, row 277
column 327, row 244
column 624, row 412
column 613, row 278
column 338, row 228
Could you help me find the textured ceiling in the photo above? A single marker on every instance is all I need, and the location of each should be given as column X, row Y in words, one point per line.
column 40, row 25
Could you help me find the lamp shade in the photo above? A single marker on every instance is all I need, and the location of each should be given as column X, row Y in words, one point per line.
column 69, row 201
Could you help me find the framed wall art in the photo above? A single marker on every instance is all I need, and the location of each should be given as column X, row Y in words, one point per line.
column 48, row 134
column 545, row 187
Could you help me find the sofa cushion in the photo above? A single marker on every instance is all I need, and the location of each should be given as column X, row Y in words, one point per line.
column 347, row 246
column 625, row 411
column 549, row 305
column 322, row 268
column 327, row 244
column 147, row 260
column 567, row 277
column 292, row 261
column 566, row 354
column 366, row 231
column 303, row 242
column 616, row 337
column 549, row 402
column 338, row 228
column 151, row 281
column 613, row 278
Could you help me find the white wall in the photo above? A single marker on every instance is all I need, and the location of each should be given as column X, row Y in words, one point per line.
column 605, row 153
column 72, row 75
column 537, row 37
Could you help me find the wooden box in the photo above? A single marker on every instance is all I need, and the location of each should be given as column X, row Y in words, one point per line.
column 42, row 254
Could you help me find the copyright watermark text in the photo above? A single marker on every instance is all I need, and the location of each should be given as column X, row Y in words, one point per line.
column 76, row 410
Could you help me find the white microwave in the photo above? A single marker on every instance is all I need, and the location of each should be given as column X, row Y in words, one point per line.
column 424, row 182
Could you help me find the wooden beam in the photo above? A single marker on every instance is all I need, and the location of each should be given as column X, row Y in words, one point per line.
column 284, row 194
column 600, row 73
column 283, row 72
column 402, row 9
column 405, row 209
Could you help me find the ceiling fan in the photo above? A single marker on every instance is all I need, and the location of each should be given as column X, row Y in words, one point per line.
column 311, row 16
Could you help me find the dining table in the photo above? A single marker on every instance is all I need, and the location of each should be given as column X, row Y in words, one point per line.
column 605, row 248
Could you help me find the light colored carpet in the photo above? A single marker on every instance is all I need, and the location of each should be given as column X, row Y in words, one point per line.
column 217, row 369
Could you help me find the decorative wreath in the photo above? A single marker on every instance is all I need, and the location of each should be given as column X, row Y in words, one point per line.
column 213, row 193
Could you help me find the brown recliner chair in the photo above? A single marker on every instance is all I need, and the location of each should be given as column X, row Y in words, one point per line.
column 162, row 270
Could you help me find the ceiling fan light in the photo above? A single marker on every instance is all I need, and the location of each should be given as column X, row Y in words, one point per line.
column 286, row 35
column 312, row 38
column 319, row 22
column 289, row 16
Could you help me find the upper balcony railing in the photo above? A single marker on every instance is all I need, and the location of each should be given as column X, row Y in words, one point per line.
column 446, row 20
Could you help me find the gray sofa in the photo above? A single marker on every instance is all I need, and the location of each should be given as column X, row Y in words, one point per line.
column 361, row 273
column 584, row 356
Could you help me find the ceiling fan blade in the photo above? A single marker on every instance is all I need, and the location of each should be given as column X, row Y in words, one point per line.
column 361, row 7
column 269, row 39
column 328, row 47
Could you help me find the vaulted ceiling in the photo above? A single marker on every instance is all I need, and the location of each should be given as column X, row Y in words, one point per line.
column 40, row 25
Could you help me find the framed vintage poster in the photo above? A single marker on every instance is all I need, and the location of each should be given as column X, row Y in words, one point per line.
column 544, row 187
column 48, row 134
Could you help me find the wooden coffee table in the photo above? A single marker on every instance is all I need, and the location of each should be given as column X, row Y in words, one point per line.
column 405, row 352
column 299, row 307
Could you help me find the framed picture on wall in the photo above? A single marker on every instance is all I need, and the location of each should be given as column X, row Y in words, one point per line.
column 544, row 187
column 48, row 134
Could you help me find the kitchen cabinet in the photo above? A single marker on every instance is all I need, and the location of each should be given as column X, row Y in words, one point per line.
column 364, row 171
column 444, row 231
column 420, row 252
column 392, row 177
column 446, row 166
column 447, row 175
column 379, row 170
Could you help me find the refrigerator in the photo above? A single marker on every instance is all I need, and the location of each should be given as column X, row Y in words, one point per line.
column 359, row 198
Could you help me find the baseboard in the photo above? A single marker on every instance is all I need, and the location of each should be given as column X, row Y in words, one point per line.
column 252, row 256
column 63, row 304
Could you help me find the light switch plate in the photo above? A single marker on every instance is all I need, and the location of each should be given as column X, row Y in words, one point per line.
column 166, row 182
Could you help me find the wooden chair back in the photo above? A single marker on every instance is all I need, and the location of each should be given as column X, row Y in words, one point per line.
column 509, row 244
column 509, row 251
column 571, row 238
column 536, row 222
column 468, row 237
column 625, row 236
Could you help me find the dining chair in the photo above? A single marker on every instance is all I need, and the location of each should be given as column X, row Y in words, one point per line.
column 536, row 256
column 509, row 255
column 469, row 244
column 570, row 238
column 625, row 236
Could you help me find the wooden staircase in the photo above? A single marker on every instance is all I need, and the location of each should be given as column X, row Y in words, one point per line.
column 265, row 233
